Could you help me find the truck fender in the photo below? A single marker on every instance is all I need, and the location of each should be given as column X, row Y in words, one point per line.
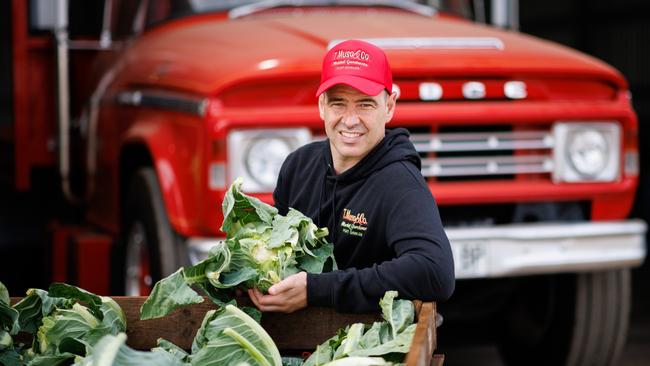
column 161, row 139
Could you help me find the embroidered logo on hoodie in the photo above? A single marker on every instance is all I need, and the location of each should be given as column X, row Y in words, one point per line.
column 354, row 224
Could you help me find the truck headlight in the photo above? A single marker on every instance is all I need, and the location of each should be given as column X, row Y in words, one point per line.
column 257, row 155
column 587, row 152
column 264, row 159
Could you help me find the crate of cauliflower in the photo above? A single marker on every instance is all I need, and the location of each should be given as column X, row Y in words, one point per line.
column 214, row 327
column 261, row 248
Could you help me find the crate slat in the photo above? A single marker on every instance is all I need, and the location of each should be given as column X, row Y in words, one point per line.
column 302, row 330
column 424, row 339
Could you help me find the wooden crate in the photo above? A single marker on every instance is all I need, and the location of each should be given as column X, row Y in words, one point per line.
column 299, row 331
column 302, row 330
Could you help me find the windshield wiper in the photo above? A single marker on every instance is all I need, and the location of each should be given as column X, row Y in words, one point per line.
column 255, row 7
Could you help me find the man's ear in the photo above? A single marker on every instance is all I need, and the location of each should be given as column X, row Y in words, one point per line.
column 391, row 103
column 321, row 105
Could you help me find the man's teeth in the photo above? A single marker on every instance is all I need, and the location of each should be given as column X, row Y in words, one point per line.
column 350, row 134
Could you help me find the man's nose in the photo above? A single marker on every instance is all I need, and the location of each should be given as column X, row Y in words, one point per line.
column 350, row 118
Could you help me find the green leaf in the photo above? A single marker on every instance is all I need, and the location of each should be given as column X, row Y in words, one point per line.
column 324, row 352
column 336, row 341
column 232, row 279
column 73, row 345
column 5, row 340
column 52, row 360
column 242, row 256
column 70, row 292
column 76, row 322
column 111, row 350
column 322, row 355
column 67, row 321
column 201, row 337
column 400, row 344
column 390, row 338
column 317, row 262
column 292, row 361
column 284, row 232
column 398, row 313
column 34, row 306
column 240, row 209
column 351, row 341
column 218, row 261
column 171, row 348
column 377, row 334
column 4, row 294
column 309, row 233
column 235, row 338
column 9, row 319
column 221, row 297
column 10, row 357
column 359, row 361
column 114, row 318
column 167, row 295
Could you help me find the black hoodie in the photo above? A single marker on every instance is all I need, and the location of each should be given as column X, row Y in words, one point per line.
column 382, row 219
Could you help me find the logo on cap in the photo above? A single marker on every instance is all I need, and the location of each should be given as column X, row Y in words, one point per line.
column 354, row 59
column 358, row 64
column 357, row 55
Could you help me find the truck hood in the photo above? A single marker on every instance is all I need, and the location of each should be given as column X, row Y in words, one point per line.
column 205, row 54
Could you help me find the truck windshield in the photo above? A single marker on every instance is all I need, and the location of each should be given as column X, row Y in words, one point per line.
column 161, row 11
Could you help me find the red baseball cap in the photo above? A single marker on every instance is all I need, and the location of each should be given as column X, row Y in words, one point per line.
column 358, row 64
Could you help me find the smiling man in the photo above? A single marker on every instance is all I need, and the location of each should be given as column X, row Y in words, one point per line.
column 364, row 184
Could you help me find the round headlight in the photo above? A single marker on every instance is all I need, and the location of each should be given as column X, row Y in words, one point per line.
column 588, row 152
column 264, row 159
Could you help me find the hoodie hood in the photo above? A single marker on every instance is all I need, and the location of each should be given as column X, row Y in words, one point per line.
column 395, row 146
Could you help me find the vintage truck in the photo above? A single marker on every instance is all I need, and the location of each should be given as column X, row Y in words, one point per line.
column 154, row 107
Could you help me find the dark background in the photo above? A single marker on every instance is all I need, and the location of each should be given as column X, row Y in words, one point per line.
column 617, row 32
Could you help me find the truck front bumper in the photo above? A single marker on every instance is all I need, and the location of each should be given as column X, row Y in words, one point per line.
column 526, row 249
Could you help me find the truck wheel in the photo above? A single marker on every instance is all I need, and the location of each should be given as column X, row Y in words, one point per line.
column 149, row 248
column 573, row 320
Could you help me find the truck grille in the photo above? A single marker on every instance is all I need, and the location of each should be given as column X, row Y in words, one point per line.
column 476, row 154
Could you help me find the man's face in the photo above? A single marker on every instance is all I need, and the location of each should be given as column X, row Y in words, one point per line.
column 354, row 122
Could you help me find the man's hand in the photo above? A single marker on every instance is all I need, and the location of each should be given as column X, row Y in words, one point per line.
column 285, row 296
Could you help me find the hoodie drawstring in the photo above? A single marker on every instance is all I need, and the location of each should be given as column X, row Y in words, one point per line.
column 333, row 204
column 320, row 200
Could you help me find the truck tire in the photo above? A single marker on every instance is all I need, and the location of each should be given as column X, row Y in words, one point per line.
column 149, row 248
column 573, row 320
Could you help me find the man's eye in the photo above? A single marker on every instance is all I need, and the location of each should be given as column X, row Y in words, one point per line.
column 366, row 105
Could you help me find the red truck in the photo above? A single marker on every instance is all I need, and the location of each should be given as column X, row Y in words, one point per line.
column 530, row 148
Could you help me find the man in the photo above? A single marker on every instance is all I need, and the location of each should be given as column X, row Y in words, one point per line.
column 365, row 185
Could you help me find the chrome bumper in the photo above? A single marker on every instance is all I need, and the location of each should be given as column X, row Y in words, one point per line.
column 525, row 249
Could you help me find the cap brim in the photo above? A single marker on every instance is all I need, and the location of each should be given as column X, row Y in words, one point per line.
column 363, row 85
